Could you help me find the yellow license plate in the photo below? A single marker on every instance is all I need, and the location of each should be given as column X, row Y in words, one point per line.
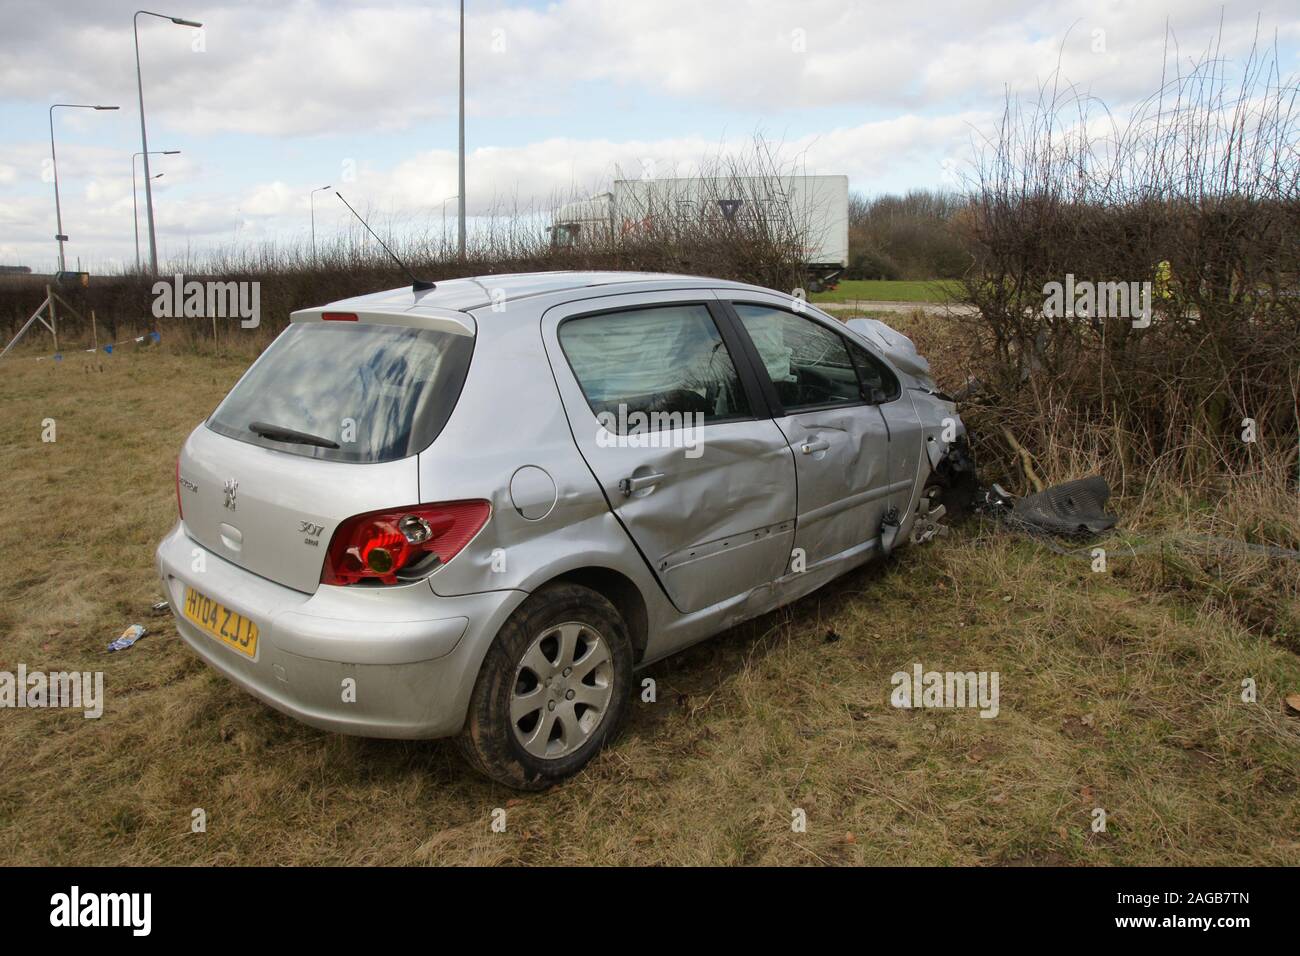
column 233, row 630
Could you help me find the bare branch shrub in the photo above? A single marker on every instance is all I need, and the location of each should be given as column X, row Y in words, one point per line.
column 1195, row 193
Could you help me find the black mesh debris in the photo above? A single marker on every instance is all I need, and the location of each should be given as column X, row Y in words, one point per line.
column 1076, row 507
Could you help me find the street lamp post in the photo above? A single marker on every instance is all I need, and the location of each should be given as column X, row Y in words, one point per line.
column 312, row 200
column 443, row 251
column 54, row 163
column 144, row 137
column 460, row 206
column 135, row 211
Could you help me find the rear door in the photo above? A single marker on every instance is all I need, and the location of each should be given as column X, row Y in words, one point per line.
column 672, row 426
column 839, row 436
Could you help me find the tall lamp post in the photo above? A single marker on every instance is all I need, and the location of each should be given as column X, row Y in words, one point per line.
column 54, row 162
column 144, row 137
column 443, row 250
column 312, row 200
column 135, row 211
column 460, row 206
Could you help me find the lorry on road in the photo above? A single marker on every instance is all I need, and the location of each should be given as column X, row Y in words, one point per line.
column 813, row 208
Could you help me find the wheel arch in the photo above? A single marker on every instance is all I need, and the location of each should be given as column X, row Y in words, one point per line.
column 620, row 591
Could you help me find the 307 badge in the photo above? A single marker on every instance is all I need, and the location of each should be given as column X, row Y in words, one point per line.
column 234, row 630
column 311, row 532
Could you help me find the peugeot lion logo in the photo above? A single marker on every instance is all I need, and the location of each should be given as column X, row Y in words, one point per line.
column 230, row 488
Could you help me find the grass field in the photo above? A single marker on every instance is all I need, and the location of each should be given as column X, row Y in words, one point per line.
column 1119, row 691
column 886, row 290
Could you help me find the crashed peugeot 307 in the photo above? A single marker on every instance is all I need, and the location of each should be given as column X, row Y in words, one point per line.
column 475, row 510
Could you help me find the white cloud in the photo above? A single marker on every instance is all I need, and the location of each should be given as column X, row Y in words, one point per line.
column 316, row 67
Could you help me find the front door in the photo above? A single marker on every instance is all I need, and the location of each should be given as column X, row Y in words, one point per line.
column 835, row 427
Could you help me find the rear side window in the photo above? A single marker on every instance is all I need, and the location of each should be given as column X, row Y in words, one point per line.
column 809, row 365
column 376, row 392
column 643, row 365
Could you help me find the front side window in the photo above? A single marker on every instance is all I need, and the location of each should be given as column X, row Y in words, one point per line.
column 654, row 366
column 875, row 376
column 809, row 365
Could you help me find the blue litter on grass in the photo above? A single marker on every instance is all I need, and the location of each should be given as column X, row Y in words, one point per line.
column 129, row 637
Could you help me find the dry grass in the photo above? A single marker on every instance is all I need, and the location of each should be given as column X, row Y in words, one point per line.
column 1119, row 691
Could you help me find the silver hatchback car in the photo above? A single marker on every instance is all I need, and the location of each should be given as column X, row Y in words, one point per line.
column 475, row 510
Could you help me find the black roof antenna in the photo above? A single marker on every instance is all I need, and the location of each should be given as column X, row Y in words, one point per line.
column 417, row 285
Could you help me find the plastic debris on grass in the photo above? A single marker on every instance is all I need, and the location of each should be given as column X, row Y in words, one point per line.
column 128, row 637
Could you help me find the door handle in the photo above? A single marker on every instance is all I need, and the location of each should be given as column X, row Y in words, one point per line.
column 629, row 485
column 811, row 445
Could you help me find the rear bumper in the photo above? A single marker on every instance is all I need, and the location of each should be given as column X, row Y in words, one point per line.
column 412, row 656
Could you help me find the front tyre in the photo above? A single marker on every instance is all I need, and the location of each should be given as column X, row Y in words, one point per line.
column 553, row 689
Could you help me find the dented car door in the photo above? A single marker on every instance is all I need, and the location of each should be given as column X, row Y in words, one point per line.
column 835, row 427
column 673, row 429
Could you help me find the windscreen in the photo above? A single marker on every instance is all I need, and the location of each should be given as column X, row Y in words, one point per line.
column 346, row 391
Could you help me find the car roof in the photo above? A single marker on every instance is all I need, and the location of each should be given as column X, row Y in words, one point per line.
column 479, row 292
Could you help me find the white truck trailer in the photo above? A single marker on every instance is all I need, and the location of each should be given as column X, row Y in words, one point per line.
column 816, row 208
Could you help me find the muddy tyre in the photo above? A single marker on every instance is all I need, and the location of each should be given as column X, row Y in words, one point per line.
column 553, row 689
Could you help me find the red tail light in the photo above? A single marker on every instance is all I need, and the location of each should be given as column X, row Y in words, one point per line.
column 180, row 509
column 376, row 546
column 338, row 316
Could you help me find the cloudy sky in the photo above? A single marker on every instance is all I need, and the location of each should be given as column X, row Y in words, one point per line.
column 273, row 99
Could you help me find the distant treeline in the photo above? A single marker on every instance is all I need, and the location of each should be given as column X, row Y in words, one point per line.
column 914, row 236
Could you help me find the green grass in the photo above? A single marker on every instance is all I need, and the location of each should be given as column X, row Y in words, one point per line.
column 1116, row 692
column 881, row 290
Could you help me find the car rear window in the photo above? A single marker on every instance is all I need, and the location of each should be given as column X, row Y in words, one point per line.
column 378, row 392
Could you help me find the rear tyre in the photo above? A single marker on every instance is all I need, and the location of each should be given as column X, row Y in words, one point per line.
column 552, row 691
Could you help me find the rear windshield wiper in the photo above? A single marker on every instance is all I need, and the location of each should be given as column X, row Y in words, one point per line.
column 280, row 433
